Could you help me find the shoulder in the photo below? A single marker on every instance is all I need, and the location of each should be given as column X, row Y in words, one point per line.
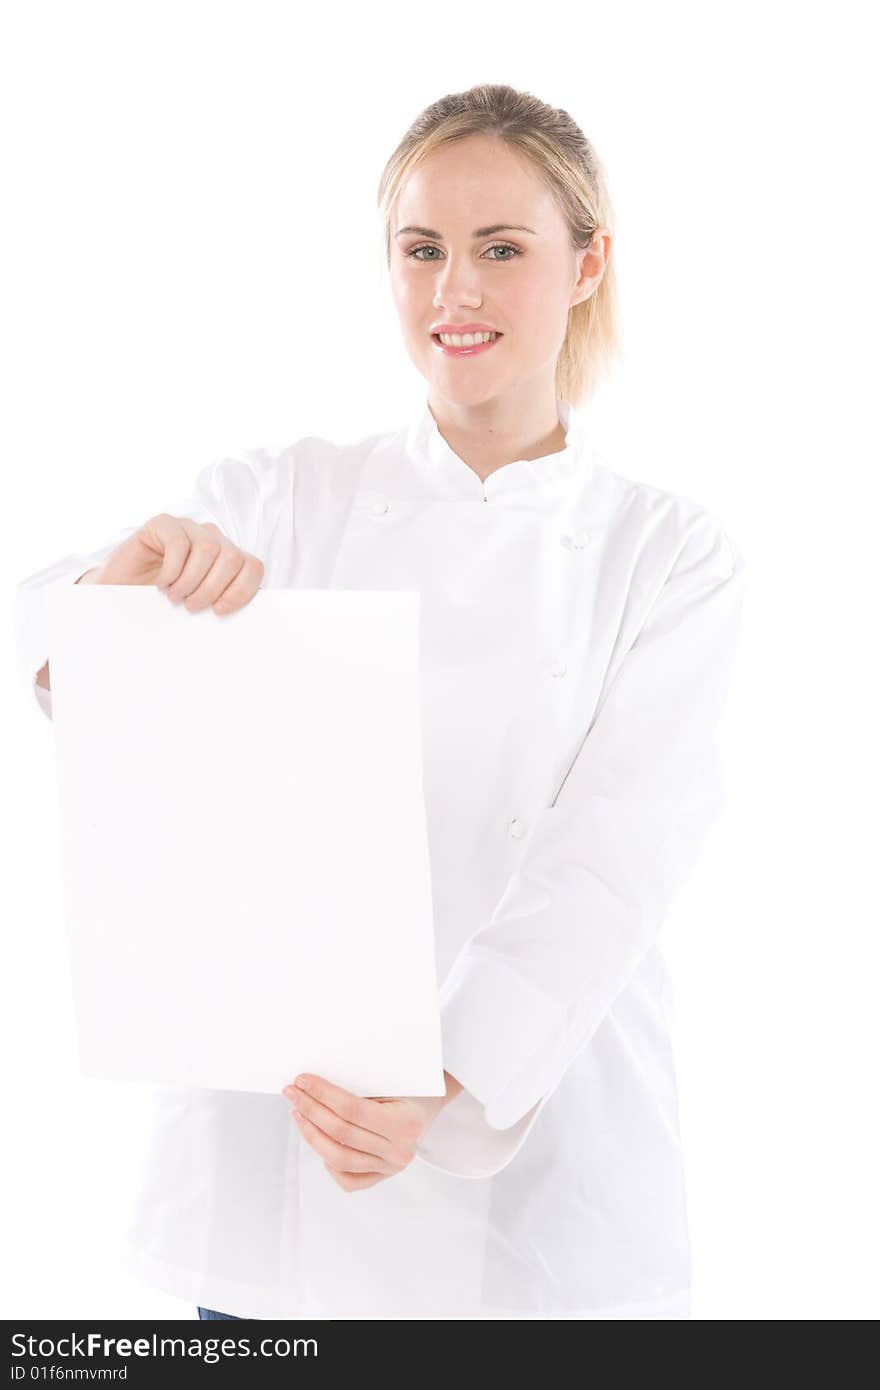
column 669, row 530
column 313, row 471
column 308, row 454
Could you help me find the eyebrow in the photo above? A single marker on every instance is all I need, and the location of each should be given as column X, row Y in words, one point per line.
column 481, row 231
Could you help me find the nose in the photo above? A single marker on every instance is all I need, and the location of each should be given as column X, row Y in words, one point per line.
column 457, row 286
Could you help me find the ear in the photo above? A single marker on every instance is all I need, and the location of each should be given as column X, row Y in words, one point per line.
column 593, row 261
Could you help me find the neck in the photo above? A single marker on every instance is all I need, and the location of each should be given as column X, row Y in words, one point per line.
column 492, row 433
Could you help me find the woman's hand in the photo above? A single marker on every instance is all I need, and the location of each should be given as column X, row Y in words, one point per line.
column 362, row 1139
column 189, row 560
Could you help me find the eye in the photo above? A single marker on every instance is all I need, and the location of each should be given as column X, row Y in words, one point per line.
column 496, row 246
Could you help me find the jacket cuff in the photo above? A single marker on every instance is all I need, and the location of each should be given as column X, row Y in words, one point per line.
column 504, row 1039
column 32, row 599
column 44, row 699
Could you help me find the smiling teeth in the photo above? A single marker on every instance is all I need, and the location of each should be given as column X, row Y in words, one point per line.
column 465, row 339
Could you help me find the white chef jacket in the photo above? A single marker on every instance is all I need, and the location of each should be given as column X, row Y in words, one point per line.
column 576, row 641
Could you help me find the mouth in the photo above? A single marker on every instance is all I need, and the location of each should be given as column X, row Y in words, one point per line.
column 467, row 349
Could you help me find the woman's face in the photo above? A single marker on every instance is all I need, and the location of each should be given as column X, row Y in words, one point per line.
column 452, row 263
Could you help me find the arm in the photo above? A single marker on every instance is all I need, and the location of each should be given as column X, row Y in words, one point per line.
column 528, row 990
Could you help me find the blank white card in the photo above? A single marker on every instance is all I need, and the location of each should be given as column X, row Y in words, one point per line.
column 244, row 839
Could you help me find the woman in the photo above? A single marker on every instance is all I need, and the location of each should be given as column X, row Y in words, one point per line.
column 577, row 635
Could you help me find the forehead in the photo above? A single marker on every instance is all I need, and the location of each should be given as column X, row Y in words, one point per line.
column 473, row 181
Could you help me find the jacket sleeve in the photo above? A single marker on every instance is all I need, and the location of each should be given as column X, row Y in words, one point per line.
column 226, row 492
column 530, row 988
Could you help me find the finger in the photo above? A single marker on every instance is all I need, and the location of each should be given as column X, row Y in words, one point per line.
column 353, row 1182
column 368, row 1114
column 171, row 537
column 352, row 1136
column 189, row 558
column 242, row 588
column 395, row 1145
column 224, row 568
column 337, row 1156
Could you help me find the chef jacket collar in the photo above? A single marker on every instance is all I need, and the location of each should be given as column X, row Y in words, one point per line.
column 448, row 473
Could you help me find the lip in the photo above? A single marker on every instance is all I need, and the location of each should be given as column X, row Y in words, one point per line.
column 463, row 328
column 474, row 350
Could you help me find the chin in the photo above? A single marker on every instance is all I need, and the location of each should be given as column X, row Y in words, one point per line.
column 464, row 393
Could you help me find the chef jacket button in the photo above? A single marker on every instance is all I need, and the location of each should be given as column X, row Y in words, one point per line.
column 559, row 669
column 576, row 541
column 378, row 508
column 516, row 828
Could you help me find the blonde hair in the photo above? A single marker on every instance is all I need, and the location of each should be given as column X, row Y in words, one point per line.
column 566, row 160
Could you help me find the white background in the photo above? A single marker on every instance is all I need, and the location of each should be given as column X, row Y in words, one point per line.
column 192, row 264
